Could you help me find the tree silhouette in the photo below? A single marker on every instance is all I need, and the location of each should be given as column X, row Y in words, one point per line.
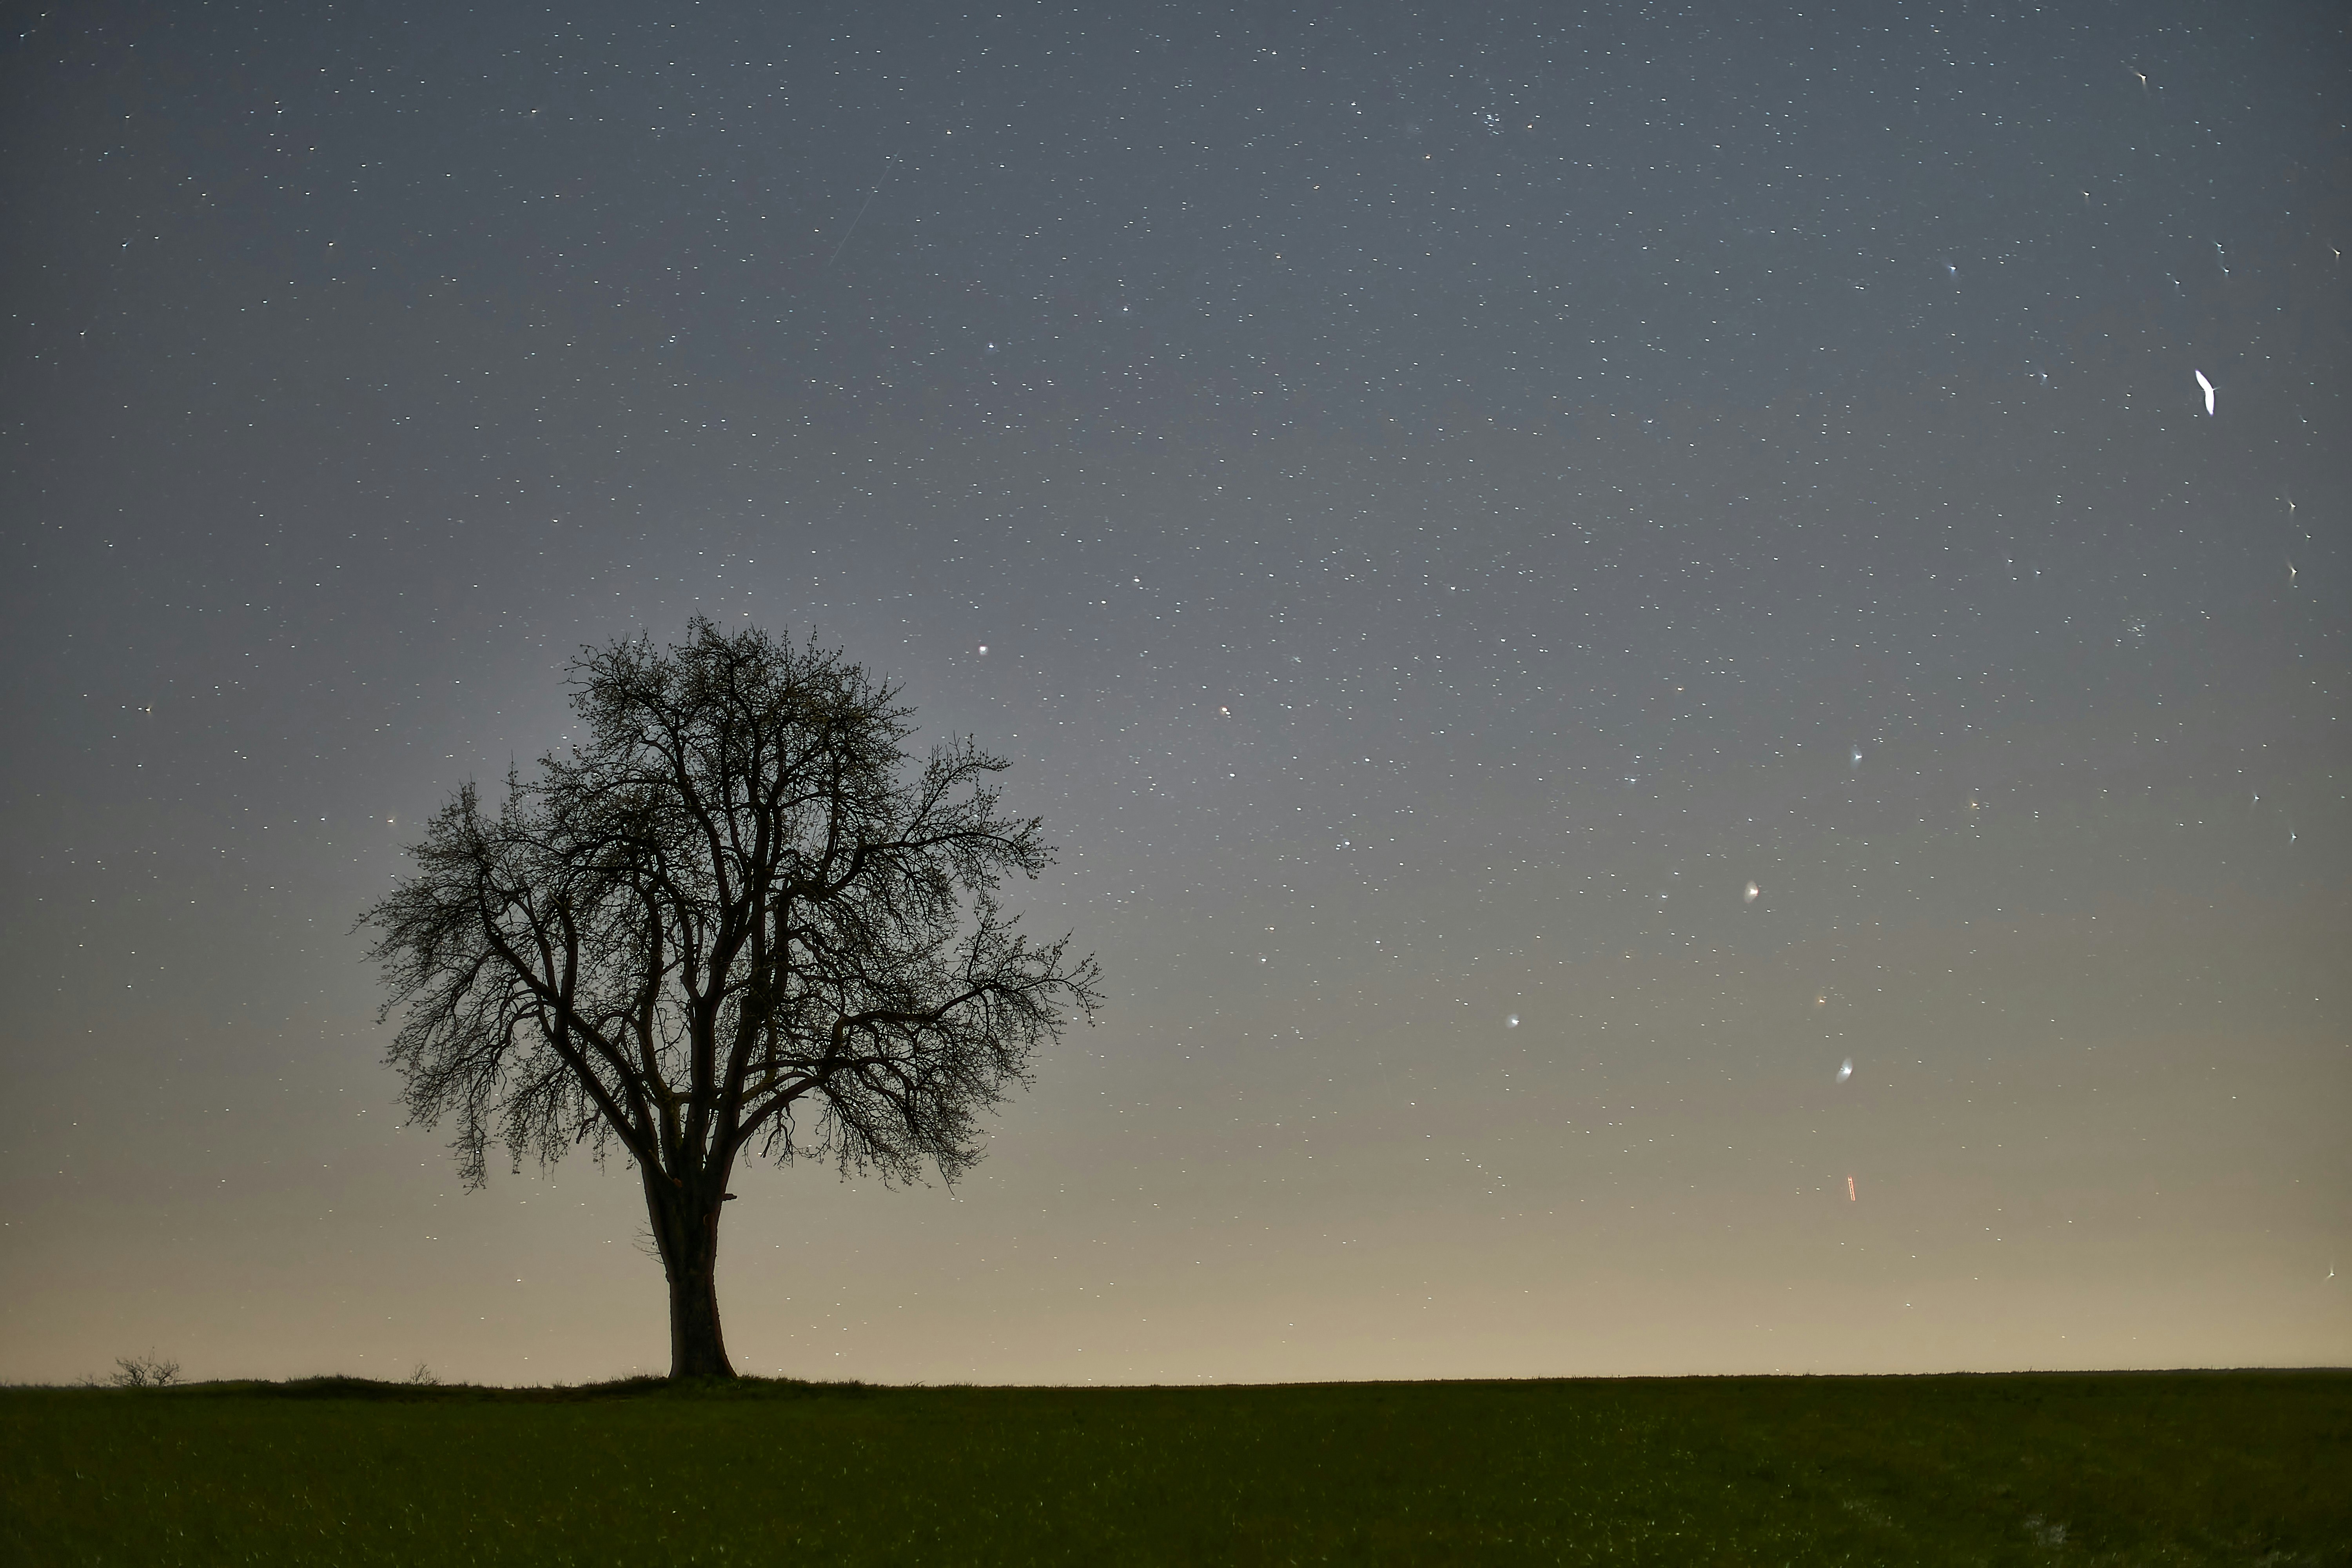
column 735, row 918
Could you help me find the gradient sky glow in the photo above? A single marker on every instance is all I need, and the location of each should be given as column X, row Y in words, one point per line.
column 1450, row 496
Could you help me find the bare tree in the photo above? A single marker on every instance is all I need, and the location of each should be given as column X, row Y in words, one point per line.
column 149, row 1370
column 737, row 917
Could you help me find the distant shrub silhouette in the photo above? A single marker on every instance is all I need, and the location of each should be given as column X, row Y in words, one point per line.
column 149, row 1370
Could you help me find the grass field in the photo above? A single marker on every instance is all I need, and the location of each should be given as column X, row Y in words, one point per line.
column 2237, row 1468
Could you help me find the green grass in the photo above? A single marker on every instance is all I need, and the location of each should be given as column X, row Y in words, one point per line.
column 2239, row 1468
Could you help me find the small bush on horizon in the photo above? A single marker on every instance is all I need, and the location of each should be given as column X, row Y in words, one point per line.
column 149, row 1370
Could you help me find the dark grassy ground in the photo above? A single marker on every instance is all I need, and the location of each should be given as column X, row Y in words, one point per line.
column 2239, row 1468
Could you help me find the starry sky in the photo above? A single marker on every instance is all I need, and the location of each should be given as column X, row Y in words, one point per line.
column 1560, row 576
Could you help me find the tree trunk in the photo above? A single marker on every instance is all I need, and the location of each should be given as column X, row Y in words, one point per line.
column 686, row 1230
column 696, row 1349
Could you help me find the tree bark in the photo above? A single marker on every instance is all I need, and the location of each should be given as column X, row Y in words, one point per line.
column 686, row 1231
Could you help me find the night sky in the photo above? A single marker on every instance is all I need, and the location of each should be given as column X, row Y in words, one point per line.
column 1558, row 576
